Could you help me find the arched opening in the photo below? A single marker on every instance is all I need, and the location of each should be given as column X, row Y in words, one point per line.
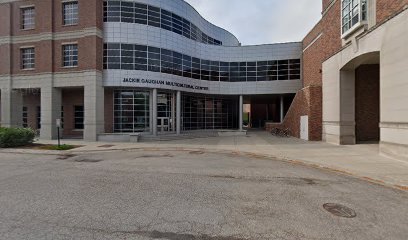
column 360, row 93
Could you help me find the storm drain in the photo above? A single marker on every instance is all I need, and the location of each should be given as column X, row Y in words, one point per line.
column 339, row 210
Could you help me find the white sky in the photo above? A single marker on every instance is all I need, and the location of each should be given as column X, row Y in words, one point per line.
column 262, row 21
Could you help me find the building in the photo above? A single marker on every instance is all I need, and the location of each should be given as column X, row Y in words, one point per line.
column 119, row 67
column 355, row 90
column 112, row 68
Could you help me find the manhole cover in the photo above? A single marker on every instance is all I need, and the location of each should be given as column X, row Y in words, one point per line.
column 339, row 210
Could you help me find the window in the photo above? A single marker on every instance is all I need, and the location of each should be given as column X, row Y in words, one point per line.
column 70, row 13
column 144, row 58
column 79, row 117
column 38, row 117
column 353, row 13
column 27, row 58
column 130, row 12
column 70, row 55
column 131, row 111
column 25, row 117
column 62, row 117
column 27, row 18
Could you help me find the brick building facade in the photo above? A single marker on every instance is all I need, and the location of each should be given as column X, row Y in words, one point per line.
column 321, row 43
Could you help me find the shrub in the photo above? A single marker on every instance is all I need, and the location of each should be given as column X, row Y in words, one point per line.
column 16, row 137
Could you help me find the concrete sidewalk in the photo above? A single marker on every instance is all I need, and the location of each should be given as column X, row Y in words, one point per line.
column 363, row 161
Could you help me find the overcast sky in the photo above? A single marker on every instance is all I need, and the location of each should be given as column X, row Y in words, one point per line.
column 262, row 21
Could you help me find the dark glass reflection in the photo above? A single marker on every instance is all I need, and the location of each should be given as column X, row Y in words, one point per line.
column 130, row 12
column 143, row 58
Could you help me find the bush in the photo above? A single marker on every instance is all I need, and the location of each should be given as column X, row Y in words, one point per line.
column 16, row 137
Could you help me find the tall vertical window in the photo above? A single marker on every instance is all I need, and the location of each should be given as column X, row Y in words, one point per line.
column 353, row 13
column 70, row 13
column 70, row 55
column 79, row 117
column 62, row 117
column 27, row 18
column 38, row 117
column 27, row 58
column 25, row 117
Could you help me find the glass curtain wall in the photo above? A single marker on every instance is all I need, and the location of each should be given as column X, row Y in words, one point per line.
column 131, row 111
column 208, row 113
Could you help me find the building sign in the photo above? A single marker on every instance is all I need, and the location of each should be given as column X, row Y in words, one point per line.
column 164, row 83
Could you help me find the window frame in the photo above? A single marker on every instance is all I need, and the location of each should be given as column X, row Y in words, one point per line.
column 23, row 60
column 63, row 55
column 360, row 12
column 22, row 17
column 72, row 21
column 81, row 124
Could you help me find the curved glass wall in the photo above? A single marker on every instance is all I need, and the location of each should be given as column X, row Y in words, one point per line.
column 133, row 12
column 146, row 58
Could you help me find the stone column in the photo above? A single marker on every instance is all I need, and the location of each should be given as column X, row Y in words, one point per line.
column 173, row 112
column 178, row 110
column 241, row 106
column 50, row 111
column 151, row 112
column 94, row 107
column 282, row 107
column 154, row 115
column 11, row 108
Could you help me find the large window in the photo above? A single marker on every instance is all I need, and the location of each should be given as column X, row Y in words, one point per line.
column 130, row 12
column 353, row 13
column 79, row 117
column 131, row 111
column 27, row 58
column 204, row 112
column 27, row 18
column 70, row 13
column 143, row 58
column 70, row 55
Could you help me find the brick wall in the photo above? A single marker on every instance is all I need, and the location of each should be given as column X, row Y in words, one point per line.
column 48, row 53
column 388, row 8
column 70, row 99
column 326, row 4
column 368, row 103
column 306, row 102
column 32, row 101
column 320, row 43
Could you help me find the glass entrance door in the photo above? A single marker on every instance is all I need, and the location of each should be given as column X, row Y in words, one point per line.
column 165, row 112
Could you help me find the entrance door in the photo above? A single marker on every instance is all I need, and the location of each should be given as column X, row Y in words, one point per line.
column 163, row 124
column 165, row 112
